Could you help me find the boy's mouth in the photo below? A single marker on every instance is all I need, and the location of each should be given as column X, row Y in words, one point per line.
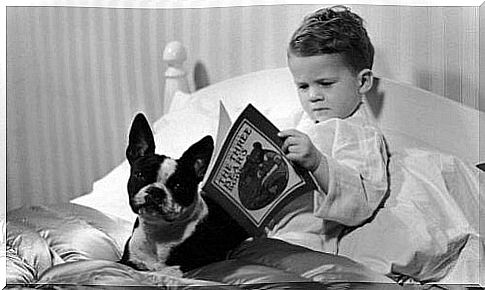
column 320, row 109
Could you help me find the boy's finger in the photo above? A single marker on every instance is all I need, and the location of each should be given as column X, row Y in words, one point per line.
column 293, row 156
column 289, row 141
column 286, row 145
column 294, row 148
column 292, row 140
column 287, row 133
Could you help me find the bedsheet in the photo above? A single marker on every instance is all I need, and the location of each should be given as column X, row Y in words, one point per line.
column 68, row 245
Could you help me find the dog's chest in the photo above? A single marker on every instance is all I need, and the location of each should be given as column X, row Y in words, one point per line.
column 147, row 254
column 150, row 245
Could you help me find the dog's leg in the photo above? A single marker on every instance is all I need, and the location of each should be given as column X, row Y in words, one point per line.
column 173, row 271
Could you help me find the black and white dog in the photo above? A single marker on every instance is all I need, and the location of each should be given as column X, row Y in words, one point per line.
column 176, row 226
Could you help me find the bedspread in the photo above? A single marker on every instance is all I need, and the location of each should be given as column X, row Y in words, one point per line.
column 68, row 245
column 75, row 245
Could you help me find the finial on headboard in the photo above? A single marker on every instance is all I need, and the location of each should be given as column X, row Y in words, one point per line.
column 174, row 55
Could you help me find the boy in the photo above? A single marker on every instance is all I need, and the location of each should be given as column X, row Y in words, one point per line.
column 330, row 57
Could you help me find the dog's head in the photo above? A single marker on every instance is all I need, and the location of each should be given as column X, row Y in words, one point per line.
column 162, row 188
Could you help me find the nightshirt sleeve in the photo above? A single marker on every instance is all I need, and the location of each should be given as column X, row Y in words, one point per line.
column 357, row 175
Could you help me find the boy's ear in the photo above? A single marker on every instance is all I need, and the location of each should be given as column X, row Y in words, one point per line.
column 366, row 79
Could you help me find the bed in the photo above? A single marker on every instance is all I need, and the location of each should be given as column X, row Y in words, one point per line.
column 419, row 238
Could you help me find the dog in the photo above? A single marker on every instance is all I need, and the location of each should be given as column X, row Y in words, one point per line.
column 164, row 193
column 177, row 229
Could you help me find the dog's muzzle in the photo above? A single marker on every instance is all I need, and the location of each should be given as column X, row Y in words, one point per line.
column 159, row 204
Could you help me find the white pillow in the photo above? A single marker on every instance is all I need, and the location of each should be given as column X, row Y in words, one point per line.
column 109, row 194
column 271, row 91
column 180, row 101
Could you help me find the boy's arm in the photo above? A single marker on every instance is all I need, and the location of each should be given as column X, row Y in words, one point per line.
column 353, row 179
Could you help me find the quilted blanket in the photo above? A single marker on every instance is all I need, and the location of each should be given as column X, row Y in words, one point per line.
column 68, row 245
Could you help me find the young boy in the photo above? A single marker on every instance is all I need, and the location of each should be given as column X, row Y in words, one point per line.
column 330, row 57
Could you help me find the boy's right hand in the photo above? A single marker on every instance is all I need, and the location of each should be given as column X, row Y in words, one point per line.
column 299, row 148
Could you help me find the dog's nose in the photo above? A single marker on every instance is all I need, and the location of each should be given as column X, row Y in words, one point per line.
column 156, row 194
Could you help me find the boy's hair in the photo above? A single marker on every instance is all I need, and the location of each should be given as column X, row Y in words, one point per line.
column 334, row 30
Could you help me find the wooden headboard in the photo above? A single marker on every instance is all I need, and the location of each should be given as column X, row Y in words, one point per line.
column 174, row 55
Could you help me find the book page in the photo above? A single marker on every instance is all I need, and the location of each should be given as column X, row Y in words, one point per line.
column 223, row 128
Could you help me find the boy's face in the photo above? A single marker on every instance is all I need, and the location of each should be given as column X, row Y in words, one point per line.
column 326, row 86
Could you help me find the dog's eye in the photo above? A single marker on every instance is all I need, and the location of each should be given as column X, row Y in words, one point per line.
column 139, row 175
column 176, row 187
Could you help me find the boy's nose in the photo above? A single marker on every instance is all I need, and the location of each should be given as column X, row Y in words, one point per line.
column 316, row 95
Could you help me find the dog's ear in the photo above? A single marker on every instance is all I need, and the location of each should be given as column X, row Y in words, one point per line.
column 141, row 142
column 199, row 156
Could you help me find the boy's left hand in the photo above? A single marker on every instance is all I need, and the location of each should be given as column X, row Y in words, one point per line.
column 300, row 149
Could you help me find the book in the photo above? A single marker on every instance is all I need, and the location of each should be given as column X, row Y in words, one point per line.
column 249, row 174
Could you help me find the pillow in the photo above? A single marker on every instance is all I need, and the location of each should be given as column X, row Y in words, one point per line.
column 430, row 215
column 270, row 91
column 179, row 101
column 109, row 194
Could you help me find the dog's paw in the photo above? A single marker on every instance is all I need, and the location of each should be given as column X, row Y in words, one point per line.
column 173, row 271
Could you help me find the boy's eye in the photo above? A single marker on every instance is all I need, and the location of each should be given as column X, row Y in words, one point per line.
column 302, row 86
column 326, row 83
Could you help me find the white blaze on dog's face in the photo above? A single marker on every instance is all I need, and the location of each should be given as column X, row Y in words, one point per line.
column 166, row 170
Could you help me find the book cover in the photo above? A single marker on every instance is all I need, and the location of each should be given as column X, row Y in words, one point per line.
column 249, row 174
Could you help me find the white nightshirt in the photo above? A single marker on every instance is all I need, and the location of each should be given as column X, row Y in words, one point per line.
column 357, row 160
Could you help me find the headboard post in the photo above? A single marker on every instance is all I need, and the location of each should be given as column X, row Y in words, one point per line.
column 174, row 55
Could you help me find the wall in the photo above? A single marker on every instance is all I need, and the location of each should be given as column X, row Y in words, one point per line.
column 481, row 138
column 76, row 76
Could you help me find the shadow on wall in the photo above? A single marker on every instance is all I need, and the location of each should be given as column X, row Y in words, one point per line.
column 201, row 76
column 375, row 99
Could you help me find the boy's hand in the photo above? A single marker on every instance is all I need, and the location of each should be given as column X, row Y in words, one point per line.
column 299, row 148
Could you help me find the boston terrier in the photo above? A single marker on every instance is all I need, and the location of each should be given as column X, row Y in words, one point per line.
column 177, row 229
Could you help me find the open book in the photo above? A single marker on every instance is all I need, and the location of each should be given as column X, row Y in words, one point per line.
column 249, row 174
